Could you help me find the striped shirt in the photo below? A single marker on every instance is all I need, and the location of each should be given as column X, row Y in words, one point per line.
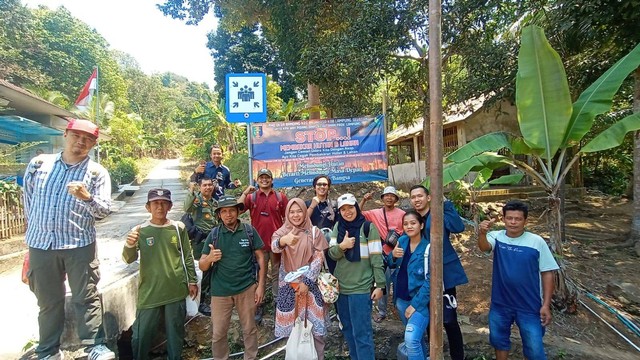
column 55, row 219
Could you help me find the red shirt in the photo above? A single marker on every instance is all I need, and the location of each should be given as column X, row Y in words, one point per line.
column 394, row 218
column 267, row 213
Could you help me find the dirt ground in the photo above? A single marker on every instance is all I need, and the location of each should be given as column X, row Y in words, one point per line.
column 592, row 225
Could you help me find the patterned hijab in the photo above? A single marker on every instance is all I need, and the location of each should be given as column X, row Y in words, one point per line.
column 300, row 254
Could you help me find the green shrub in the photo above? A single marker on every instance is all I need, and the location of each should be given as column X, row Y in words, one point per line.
column 238, row 163
column 122, row 171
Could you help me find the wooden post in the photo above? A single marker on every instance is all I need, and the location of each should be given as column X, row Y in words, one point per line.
column 435, row 174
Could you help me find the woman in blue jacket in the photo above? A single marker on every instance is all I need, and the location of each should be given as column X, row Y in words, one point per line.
column 411, row 284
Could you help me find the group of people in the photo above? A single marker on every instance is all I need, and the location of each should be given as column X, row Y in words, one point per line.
column 366, row 251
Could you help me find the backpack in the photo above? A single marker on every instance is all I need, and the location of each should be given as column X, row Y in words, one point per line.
column 365, row 229
column 280, row 205
column 206, row 276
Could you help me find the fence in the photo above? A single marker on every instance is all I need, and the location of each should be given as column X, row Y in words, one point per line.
column 12, row 220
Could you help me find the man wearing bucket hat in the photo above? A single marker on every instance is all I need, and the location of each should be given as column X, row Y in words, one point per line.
column 232, row 248
column 388, row 221
column 266, row 207
column 64, row 194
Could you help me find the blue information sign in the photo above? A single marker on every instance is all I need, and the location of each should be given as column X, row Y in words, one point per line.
column 246, row 98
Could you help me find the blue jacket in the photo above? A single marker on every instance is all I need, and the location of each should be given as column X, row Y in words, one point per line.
column 419, row 286
column 453, row 272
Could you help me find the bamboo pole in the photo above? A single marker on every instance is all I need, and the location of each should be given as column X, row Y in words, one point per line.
column 435, row 174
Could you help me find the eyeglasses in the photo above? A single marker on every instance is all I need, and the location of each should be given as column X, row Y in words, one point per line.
column 322, row 184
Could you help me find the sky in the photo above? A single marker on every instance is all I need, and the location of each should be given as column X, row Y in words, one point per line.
column 159, row 43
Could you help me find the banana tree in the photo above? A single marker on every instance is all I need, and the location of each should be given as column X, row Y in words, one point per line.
column 550, row 126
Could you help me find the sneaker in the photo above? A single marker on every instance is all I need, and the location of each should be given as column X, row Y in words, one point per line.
column 204, row 309
column 101, row 352
column 57, row 356
column 259, row 312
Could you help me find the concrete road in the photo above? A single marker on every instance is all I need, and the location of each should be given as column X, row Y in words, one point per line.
column 118, row 285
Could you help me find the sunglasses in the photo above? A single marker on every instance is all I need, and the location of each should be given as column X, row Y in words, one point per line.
column 322, row 184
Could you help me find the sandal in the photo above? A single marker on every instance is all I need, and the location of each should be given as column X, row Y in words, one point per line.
column 379, row 317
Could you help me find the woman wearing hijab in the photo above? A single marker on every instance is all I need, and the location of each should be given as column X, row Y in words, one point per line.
column 356, row 247
column 301, row 244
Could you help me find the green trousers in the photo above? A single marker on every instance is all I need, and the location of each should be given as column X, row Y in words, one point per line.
column 145, row 329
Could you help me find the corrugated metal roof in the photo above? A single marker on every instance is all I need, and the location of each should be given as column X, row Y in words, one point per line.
column 16, row 129
column 456, row 113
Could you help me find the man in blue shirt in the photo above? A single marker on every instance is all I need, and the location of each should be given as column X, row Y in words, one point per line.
column 215, row 170
column 522, row 283
column 64, row 194
column 452, row 270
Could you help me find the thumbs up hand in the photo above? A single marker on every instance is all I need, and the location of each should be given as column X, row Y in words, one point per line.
column 290, row 239
column 132, row 237
column 486, row 225
column 397, row 252
column 214, row 254
column 347, row 242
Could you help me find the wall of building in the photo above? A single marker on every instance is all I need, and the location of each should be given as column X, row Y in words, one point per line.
column 407, row 175
column 500, row 117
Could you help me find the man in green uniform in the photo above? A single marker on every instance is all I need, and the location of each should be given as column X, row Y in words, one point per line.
column 167, row 276
column 232, row 248
column 201, row 205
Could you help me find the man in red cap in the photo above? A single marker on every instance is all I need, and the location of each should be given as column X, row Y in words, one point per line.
column 64, row 194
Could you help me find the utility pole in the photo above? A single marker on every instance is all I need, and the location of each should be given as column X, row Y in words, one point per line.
column 435, row 174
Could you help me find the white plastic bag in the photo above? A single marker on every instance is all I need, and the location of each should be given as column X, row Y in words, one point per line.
column 300, row 345
column 192, row 304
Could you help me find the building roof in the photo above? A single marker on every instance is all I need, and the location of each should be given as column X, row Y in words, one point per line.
column 455, row 113
column 23, row 101
column 21, row 120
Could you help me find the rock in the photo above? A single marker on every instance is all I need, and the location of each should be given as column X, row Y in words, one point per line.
column 624, row 290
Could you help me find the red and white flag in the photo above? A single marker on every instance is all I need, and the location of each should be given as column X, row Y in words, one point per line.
column 84, row 99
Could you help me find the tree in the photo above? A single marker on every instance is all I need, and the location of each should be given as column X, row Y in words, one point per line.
column 550, row 127
column 599, row 32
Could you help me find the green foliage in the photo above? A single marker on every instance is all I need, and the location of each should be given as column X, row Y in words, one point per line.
column 611, row 170
column 11, row 191
column 458, row 195
column 122, row 171
column 238, row 164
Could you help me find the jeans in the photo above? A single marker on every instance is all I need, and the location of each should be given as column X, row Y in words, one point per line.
column 382, row 303
column 355, row 315
column 531, row 331
column 414, row 332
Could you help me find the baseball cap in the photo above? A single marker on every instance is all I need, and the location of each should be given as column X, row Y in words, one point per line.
column 228, row 201
column 159, row 194
column 265, row 172
column 390, row 190
column 346, row 199
column 84, row 126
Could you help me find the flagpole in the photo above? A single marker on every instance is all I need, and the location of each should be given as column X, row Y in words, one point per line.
column 98, row 109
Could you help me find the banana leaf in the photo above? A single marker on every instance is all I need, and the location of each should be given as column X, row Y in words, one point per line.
column 507, row 179
column 614, row 135
column 598, row 98
column 542, row 93
column 485, row 143
column 456, row 171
